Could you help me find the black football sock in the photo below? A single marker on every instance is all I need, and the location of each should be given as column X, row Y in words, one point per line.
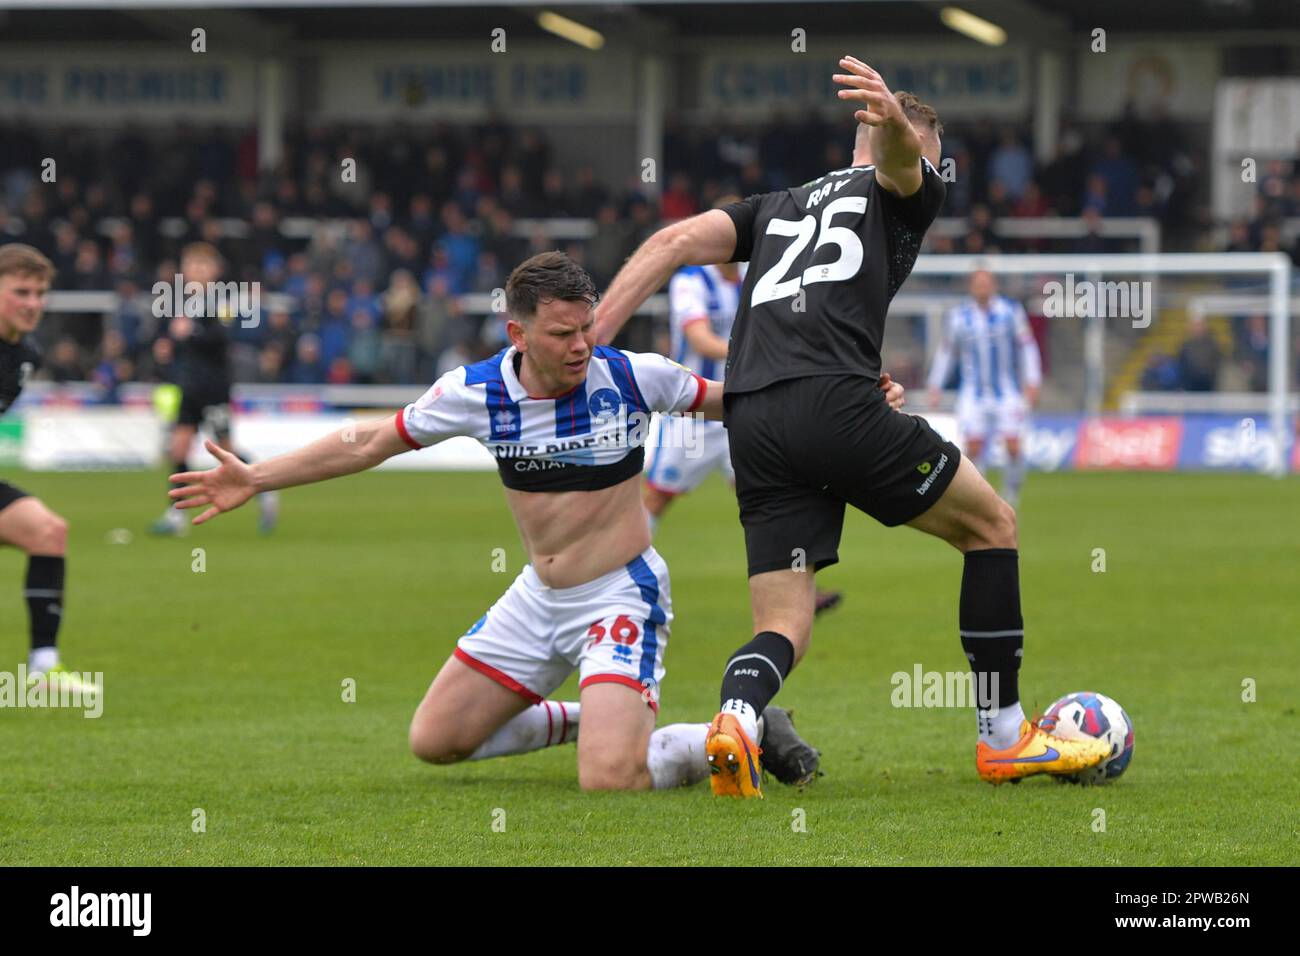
column 172, row 514
column 178, row 466
column 754, row 675
column 992, row 631
column 43, row 590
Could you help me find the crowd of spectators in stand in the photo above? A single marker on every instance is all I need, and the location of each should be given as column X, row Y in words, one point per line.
column 1202, row 364
column 374, row 296
column 1200, row 360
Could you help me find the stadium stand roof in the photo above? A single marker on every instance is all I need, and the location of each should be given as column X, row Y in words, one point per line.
column 122, row 20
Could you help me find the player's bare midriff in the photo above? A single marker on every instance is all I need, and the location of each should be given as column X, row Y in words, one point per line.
column 573, row 537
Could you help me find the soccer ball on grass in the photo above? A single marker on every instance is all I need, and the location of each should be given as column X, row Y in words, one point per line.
column 1088, row 714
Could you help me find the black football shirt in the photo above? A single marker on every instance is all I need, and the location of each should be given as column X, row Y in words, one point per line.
column 201, row 360
column 17, row 362
column 825, row 259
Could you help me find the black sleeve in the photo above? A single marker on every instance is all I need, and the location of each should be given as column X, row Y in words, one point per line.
column 743, row 214
column 918, row 210
column 906, row 220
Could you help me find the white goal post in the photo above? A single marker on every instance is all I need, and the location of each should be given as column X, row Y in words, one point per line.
column 1275, row 267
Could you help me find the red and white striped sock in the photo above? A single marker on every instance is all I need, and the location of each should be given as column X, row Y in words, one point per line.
column 543, row 725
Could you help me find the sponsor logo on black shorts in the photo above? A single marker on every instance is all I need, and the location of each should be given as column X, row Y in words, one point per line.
column 931, row 473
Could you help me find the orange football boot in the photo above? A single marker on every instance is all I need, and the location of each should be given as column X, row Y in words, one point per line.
column 733, row 759
column 1038, row 751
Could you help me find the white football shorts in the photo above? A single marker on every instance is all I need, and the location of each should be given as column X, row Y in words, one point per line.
column 612, row 629
column 982, row 418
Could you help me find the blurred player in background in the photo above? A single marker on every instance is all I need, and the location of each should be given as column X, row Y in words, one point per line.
column 25, row 521
column 203, row 374
column 809, row 434
column 556, row 411
column 702, row 303
column 997, row 354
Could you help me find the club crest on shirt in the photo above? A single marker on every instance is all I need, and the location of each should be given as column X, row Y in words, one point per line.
column 604, row 404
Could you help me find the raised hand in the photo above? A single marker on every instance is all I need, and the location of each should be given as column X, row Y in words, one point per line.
column 866, row 86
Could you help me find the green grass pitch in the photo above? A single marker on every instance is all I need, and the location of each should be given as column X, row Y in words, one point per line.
column 223, row 689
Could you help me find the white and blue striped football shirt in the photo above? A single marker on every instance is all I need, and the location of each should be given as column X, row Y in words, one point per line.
column 702, row 293
column 590, row 437
column 995, row 349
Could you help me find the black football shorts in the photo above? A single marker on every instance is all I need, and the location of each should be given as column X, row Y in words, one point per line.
column 805, row 447
column 206, row 403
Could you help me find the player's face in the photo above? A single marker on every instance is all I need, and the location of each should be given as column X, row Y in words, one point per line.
column 983, row 286
column 558, row 342
column 22, row 302
column 201, row 269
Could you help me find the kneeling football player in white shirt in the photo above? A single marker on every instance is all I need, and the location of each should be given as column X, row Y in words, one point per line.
column 565, row 420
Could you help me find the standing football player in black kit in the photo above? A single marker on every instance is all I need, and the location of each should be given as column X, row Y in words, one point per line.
column 809, row 432
column 25, row 521
column 203, row 373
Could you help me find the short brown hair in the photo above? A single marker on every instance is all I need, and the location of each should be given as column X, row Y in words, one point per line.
column 919, row 113
column 20, row 259
column 543, row 278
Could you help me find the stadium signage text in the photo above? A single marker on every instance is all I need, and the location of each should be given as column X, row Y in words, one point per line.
column 1150, row 443
column 114, row 86
column 994, row 82
column 745, row 81
column 454, row 80
column 147, row 83
column 480, row 84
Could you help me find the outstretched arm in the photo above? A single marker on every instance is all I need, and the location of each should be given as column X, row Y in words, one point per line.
column 706, row 239
column 233, row 482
